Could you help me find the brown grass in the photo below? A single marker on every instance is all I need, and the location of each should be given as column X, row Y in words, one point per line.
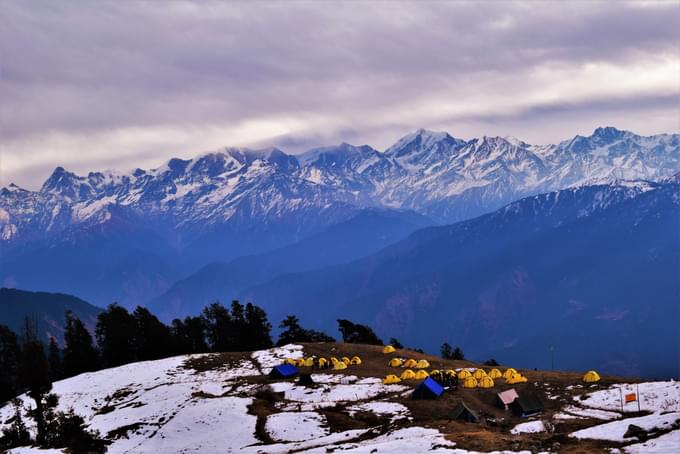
column 492, row 433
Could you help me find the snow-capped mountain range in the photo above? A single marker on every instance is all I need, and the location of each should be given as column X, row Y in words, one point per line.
column 437, row 175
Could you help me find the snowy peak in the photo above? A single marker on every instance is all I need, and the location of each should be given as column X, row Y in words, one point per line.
column 609, row 134
column 423, row 140
column 12, row 189
column 432, row 173
column 68, row 185
column 601, row 137
column 424, row 149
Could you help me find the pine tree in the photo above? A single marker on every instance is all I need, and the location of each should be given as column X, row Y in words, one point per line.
column 357, row 334
column 16, row 434
column 395, row 343
column 54, row 360
column 292, row 331
column 218, row 324
column 79, row 354
column 34, row 374
column 446, row 351
column 9, row 364
column 258, row 329
column 188, row 335
column 115, row 336
column 152, row 338
column 238, row 327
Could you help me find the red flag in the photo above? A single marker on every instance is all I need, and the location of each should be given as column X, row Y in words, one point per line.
column 632, row 397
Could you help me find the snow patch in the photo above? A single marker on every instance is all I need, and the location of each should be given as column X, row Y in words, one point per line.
column 299, row 426
column 268, row 359
column 614, row 431
column 530, row 427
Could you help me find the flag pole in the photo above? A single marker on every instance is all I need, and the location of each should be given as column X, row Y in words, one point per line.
column 637, row 391
column 621, row 395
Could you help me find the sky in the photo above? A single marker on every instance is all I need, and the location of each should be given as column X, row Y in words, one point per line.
column 125, row 84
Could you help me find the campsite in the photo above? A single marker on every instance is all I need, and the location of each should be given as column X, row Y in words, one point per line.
column 258, row 402
column 491, row 431
column 545, row 411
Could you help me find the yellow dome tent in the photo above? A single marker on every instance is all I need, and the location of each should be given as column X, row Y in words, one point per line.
column 450, row 372
column 495, row 373
column 515, row 379
column 422, row 374
column 479, row 373
column 509, row 372
column 391, row 379
column 388, row 349
column 346, row 360
column 410, row 363
column 334, row 359
column 463, row 374
column 395, row 362
column 300, row 362
column 356, row 360
column 591, row 377
column 470, row 382
column 309, row 362
column 408, row 374
column 486, row 382
column 339, row 365
column 323, row 361
column 422, row 364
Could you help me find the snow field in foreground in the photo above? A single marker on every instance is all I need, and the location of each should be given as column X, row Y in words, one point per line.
column 664, row 444
column 615, row 430
column 296, row 426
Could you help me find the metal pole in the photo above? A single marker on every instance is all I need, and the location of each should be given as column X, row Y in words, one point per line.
column 637, row 391
column 621, row 394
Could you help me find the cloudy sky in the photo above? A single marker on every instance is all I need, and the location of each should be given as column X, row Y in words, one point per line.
column 124, row 84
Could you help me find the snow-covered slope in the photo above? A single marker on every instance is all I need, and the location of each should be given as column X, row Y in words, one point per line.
column 225, row 403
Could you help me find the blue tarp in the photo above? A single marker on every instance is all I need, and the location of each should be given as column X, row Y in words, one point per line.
column 428, row 389
column 284, row 371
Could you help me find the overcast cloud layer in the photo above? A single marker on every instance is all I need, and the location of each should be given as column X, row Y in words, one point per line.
column 122, row 84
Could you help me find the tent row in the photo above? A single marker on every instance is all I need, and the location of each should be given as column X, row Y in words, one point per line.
column 323, row 363
column 409, row 363
column 481, row 379
column 477, row 379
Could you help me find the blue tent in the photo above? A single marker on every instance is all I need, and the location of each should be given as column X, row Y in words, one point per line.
column 428, row 389
column 284, row 371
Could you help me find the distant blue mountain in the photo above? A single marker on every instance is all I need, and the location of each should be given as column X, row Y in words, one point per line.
column 592, row 271
column 46, row 309
column 367, row 232
column 128, row 237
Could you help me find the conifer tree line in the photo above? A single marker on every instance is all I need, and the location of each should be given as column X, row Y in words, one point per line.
column 121, row 337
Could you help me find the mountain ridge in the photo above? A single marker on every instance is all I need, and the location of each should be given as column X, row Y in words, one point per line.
column 419, row 172
column 238, row 202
